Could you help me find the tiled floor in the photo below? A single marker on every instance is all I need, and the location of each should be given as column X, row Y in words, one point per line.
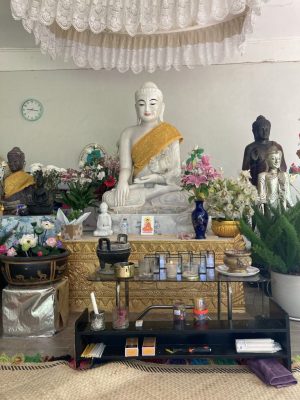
column 63, row 342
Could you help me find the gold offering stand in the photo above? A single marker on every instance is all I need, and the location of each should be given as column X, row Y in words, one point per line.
column 83, row 261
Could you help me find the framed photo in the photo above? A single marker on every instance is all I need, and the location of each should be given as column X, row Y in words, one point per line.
column 147, row 225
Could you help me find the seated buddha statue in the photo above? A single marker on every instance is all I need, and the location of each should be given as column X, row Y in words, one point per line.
column 104, row 222
column 274, row 185
column 149, row 158
column 41, row 203
column 19, row 184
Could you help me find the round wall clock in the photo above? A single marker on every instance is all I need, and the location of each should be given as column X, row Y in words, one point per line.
column 32, row 109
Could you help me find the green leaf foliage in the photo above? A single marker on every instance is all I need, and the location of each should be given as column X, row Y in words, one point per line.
column 80, row 196
column 275, row 239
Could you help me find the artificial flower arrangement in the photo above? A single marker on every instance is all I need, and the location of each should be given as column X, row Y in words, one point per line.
column 198, row 175
column 96, row 176
column 34, row 245
column 101, row 172
column 51, row 174
column 231, row 199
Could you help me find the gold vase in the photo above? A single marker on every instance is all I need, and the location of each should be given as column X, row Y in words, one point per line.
column 225, row 228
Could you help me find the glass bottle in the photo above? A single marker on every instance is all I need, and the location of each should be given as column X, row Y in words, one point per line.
column 124, row 226
column 179, row 311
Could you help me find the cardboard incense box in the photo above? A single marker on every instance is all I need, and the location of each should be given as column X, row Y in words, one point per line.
column 132, row 347
column 148, row 348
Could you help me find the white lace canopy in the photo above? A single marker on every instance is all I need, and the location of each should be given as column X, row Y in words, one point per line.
column 138, row 34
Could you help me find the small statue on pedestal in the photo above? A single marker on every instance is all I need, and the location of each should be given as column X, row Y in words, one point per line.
column 256, row 152
column 274, row 185
column 41, row 204
column 104, row 222
column 18, row 185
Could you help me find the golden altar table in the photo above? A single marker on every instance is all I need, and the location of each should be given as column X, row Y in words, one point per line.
column 84, row 261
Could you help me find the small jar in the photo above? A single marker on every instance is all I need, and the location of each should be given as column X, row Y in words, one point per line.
column 97, row 321
column 190, row 271
column 179, row 311
column 200, row 309
column 120, row 318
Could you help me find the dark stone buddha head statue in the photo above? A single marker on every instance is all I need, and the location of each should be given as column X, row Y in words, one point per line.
column 261, row 128
column 16, row 159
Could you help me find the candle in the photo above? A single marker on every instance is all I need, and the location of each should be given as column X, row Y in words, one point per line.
column 171, row 270
column 94, row 303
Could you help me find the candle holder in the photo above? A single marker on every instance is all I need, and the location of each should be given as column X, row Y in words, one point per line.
column 120, row 318
column 173, row 266
column 97, row 321
column 200, row 259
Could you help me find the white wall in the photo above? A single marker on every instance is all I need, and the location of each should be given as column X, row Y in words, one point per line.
column 213, row 107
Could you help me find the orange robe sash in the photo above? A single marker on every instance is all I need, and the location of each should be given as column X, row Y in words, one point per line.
column 16, row 182
column 152, row 144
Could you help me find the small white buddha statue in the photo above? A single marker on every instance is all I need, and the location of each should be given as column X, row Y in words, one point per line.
column 149, row 156
column 274, row 185
column 104, row 222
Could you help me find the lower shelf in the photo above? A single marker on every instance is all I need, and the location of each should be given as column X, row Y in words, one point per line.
column 219, row 335
column 217, row 351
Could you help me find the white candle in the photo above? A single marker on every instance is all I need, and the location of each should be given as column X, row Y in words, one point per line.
column 94, row 303
column 171, row 270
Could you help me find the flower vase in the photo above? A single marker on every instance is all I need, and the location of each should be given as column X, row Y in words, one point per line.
column 199, row 219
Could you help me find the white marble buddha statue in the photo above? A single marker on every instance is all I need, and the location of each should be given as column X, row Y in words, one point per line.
column 104, row 222
column 274, row 185
column 149, row 158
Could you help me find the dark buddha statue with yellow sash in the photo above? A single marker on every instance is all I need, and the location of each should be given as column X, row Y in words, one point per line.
column 18, row 185
column 149, row 153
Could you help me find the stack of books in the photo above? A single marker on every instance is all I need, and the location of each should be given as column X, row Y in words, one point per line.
column 257, row 346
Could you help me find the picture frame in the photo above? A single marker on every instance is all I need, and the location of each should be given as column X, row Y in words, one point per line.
column 147, row 225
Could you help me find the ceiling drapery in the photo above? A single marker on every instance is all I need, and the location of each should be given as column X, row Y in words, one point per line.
column 138, row 34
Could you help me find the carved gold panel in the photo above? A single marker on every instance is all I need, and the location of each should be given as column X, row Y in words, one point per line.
column 84, row 261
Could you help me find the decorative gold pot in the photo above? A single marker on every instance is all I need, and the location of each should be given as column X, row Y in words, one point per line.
column 225, row 228
column 237, row 260
column 22, row 271
column 124, row 269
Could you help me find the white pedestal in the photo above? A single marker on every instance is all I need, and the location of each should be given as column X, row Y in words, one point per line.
column 35, row 310
column 164, row 224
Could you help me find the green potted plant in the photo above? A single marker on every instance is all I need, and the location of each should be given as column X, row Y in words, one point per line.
column 78, row 197
column 275, row 245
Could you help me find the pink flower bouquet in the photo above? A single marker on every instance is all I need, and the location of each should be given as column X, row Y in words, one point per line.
column 198, row 174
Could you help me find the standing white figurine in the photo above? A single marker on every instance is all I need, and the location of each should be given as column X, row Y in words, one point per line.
column 103, row 222
column 274, row 185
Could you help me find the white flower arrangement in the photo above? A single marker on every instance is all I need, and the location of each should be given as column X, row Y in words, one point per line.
column 230, row 198
column 52, row 174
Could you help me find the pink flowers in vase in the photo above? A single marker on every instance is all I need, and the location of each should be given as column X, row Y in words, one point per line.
column 198, row 174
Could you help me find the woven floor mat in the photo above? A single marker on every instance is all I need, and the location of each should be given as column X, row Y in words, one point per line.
column 137, row 380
